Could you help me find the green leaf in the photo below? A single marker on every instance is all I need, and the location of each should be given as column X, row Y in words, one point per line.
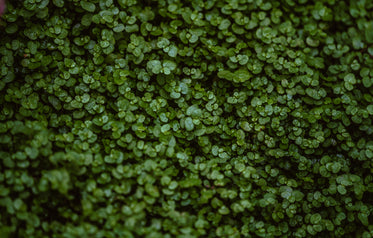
column 88, row 6
column 59, row 179
column 336, row 167
column 242, row 75
column 341, row 189
column 369, row 32
column 224, row 74
column 350, row 78
column 367, row 81
column 370, row 109
column 169, row 64
column 152, row 190
column 155, row 66
column 363, row 218
column 165, row 128
column 172, row 52
column 238, row 76
column 224, row 24
column 58, row 3
column 315, row 218
column 189, row 126
column 369, row 153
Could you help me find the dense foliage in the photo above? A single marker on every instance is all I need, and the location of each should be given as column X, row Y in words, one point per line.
column 171, row 118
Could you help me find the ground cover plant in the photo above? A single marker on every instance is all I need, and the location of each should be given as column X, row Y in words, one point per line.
column 170, row 118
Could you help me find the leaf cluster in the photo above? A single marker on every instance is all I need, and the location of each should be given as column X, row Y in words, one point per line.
column 170, row 118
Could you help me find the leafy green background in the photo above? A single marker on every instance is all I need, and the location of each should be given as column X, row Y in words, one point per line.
column 235, row 118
